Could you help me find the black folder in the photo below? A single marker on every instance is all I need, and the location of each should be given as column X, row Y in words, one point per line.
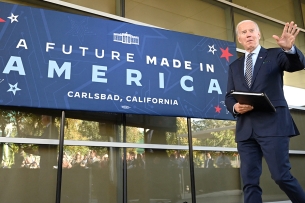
column 259, row 101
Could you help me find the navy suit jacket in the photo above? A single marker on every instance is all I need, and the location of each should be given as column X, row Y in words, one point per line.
column 268, row 78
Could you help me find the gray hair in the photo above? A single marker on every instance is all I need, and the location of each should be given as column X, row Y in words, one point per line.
column 236, row 30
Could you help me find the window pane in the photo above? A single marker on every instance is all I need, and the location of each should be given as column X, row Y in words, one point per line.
column 90, row 174
column 213, row 133
column 19, row 155
column 93, row 126
column 163, row 130
column 271, row 191
column 92, row 171
column 217, row 177
column 153, row 173
column 297, row 143
column 158, row 175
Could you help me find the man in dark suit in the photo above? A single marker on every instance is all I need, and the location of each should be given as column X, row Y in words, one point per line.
column 261, row 133
column 209, row 162
column 48, row 153
column 48, row 159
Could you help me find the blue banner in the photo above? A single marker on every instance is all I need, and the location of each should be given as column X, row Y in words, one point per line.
column 58, row 60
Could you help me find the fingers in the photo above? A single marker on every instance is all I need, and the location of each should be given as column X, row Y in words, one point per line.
column 243, row 108
column 297, row 32
column 288, row 37
column 291, row 28
column 286, row 28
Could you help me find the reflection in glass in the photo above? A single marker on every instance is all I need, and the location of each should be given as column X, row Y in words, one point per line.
column 216, row 159
column 93, row 126
column 17, row 158
column 213, row 133
column 88, row 174
column 92, row 173
column 217, row 177
column 271, row 191
column 157, row 174
column 17, row 124
column 164, row 130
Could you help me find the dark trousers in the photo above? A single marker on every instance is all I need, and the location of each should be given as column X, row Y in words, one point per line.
column 276, row 153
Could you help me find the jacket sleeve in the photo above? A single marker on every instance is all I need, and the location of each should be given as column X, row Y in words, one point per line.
column 295, row 62
column 230, row 100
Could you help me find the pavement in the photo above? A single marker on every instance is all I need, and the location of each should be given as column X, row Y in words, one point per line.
column 231, row 196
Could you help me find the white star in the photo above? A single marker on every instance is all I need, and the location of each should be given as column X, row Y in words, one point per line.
column 13, row 88
column 13, row 18
column 212, row 49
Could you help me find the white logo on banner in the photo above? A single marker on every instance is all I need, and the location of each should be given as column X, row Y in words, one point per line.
column 126, row 38
column 125, row 107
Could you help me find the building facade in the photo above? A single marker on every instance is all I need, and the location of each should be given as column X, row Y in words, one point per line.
column 54, row 155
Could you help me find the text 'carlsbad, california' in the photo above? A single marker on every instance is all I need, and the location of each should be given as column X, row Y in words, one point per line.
column 115, row 97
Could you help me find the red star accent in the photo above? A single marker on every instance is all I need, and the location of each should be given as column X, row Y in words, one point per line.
column 1, row 20
column 217, row 109
column 225, row 53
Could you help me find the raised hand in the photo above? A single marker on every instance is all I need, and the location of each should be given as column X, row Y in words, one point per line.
column 289, row 34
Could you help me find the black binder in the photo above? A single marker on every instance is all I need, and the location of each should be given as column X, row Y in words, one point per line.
column 259, row 101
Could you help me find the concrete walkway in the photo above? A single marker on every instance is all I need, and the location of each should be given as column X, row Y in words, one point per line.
column 280, row 202
column 232, row 196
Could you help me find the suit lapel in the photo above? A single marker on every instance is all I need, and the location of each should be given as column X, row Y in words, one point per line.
column 258, row 64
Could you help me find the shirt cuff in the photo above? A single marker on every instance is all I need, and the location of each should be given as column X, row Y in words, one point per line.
column 234, row 110
column 290, row 51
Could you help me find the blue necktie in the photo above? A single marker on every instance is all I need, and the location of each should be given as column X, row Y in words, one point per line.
column 248, row 74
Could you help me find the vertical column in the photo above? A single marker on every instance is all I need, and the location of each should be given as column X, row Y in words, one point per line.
column 297, row 7
column 60, row 157
column 230, row 24
column 120, row 8
column 191, row 158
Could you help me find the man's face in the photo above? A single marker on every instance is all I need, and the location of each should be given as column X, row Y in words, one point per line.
column 92, row 154
column 248, row 35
